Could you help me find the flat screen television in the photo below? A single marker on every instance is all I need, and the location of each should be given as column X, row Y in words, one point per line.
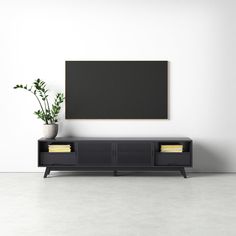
column 116, row 89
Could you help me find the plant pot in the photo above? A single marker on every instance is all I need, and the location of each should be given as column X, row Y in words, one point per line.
column 50, row 130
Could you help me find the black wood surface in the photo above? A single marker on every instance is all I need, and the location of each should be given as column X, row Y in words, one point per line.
column 133, row 153
column 173, row 159
column 115, row 154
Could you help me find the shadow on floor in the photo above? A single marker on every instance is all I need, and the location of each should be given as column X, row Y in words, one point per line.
column 165, row 174
column 120, row 174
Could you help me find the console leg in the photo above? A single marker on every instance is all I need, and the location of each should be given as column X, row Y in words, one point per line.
column 115, row 173
column 47, row 172
column 182, row 171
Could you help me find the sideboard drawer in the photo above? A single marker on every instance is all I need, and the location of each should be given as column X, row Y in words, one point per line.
column 173, row 159
column 47, row 158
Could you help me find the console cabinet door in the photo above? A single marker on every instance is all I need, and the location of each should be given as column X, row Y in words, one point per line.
column 134, row 154
column 95, row 153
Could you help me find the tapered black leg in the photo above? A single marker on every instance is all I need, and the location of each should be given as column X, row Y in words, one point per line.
column 115, row 173
column 182, row 171
column 47, row 172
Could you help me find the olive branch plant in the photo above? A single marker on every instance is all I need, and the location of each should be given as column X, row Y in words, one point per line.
column 49, row 114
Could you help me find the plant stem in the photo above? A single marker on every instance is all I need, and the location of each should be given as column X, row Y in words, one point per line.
column 45, row 107
column 49, row 110
column 41, row 107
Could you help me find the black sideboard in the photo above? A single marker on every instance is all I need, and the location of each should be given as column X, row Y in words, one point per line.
column 114, row 154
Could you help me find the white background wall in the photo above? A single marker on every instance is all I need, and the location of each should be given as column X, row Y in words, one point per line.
column 197, row 37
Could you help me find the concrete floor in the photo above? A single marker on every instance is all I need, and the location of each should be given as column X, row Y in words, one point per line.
column 132, row 204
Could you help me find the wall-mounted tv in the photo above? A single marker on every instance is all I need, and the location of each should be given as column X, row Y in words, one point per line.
column 116, row 89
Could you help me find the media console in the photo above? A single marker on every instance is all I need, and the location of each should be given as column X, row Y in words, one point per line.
column 115, row 154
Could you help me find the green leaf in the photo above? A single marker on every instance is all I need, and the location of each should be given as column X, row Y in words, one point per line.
column 39, row 89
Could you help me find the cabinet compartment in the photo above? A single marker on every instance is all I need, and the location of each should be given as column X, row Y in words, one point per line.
column 173, row 159
column 50, row 159
column 134, row 154
column 43, row 146
column 95, row 153
column 186, row 145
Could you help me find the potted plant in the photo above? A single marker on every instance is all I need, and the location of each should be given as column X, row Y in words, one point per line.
column 48, row 113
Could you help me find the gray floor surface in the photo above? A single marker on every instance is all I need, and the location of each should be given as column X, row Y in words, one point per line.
column 131, row 204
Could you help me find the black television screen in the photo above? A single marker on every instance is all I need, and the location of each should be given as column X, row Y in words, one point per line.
column 116, row 89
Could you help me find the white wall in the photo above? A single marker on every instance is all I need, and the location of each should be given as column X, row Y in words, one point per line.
column 197, row 37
